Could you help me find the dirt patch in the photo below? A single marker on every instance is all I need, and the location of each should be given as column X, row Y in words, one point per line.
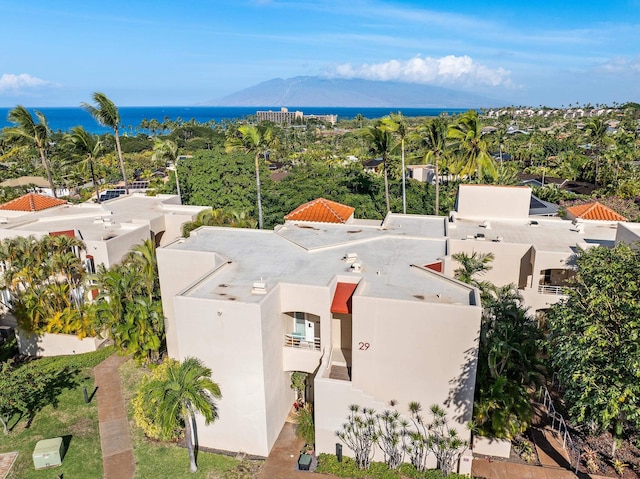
column 247, row 469
column 596, row 453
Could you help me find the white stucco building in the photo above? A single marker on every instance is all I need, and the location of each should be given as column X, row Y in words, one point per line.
column 109, row 230
column 359, row 306
column 368, row 309
column 534, row 253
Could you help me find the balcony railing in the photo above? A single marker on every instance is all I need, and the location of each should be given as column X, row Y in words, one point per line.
column 299, row 341
column 549, row 289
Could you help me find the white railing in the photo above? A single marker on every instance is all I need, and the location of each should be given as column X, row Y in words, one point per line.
column 548, row 289
column 299, row 341
column 558, row 425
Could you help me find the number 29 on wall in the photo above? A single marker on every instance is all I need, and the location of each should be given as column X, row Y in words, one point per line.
column 363, row 346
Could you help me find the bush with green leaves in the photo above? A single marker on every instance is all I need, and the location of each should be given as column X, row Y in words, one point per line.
column 329, row 464
column 305, row 428
column 364, row 430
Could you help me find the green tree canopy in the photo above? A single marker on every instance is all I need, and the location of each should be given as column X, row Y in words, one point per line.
column 594, row 339
column 174, row 399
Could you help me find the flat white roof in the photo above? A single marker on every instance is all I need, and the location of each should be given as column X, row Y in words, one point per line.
column 548, row 234
column 122, row 215
column 392, row 260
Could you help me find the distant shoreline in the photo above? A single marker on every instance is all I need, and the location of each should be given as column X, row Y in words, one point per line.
column 64, row 118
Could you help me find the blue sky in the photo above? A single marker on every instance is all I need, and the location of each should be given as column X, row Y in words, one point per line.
column 554, row 53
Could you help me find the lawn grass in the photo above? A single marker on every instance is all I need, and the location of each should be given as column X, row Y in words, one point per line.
column 157, row 459
column 72, row 419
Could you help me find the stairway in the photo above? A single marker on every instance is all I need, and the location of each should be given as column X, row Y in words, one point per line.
column 340, row 372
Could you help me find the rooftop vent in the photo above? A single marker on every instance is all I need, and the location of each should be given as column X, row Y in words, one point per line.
column 498, row 239
column 356, row 268
column 259, row 287
column 350, row 257
column 486, row 225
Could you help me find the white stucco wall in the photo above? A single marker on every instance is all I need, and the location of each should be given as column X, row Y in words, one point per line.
column 119, row 246
column 509, row 266
column 627, row 233
column 421, row 352
column 491, row 202
column 227, row 336
column 47, row 344
column 178, row 269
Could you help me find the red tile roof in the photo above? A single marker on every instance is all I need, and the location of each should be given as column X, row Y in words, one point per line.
column 32, row 202
column 321, row 210
column 595, row 211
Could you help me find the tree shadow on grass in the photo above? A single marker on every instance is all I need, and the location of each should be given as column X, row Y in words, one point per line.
column 51, row 385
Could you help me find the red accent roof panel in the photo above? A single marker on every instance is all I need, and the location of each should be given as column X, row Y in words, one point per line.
column 342, row 298
column 69, row 233
column 435, row 266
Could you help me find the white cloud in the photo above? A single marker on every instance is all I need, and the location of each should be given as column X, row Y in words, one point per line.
column 16, row 83
column 620, row 65
column 449, row 70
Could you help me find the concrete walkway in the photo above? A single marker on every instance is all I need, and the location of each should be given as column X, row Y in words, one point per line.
column 115, row 440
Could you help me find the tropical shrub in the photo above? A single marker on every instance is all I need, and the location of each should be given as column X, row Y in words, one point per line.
column 143, row 411
column 305, row 428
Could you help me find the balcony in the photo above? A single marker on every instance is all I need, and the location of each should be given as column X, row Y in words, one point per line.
column 295, row 340
column 552, row 289
column 299, row 354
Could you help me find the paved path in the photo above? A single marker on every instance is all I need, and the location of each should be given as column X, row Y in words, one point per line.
column 6, row 463
column 282, row 462
column 115, row 440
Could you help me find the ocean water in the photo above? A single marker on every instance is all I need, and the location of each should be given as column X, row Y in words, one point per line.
column 63, row 119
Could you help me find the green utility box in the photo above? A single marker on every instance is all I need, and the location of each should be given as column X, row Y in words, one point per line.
column 48, row 453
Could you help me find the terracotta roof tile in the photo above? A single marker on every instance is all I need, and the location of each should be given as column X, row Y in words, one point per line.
column 32, row 202
column 322, row 211
column 595, row 211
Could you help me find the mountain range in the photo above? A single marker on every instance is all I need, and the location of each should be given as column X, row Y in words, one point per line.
column 318, row 91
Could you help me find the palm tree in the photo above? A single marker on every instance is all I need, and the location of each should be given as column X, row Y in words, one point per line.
column 91, row 147
column 28, row 132
column 379, row 138
column 596, row 133
column 174, row 400
column 468, row 143
column 167, row 151
column 471, row 266
column 396, row 124
column 142, row 258
column 432, row 138
column 106, row 114
column 256, row 140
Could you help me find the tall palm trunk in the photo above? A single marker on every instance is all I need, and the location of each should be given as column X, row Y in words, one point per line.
column 437, row 187
column 95, row 183
column 188, row 438
column 386, row 183
column 45, row 163
column 404, row 188
column 260, row 223
column 124, row 171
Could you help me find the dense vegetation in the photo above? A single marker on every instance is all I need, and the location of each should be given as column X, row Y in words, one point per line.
column 253, row 175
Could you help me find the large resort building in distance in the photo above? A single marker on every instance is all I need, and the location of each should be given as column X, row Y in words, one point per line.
column 286, row 117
